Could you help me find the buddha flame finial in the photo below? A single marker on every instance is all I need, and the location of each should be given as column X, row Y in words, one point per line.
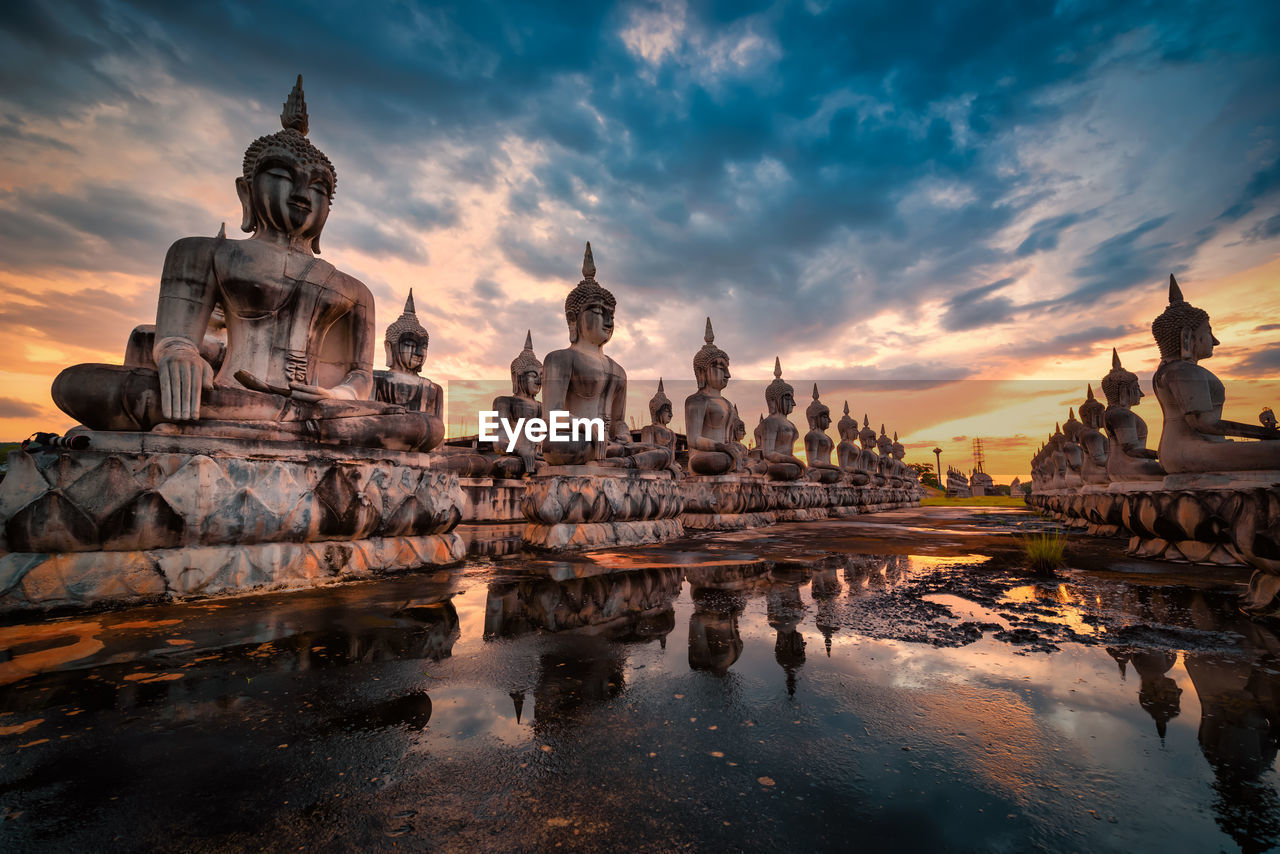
column 528, row 339
column 408, row 305
column 1175, row 292
column 846, row 408
column 1071, row 413
column 815, row 391
column 777, row 368
column 709, row 336
column 1090, row 392
column 588, row 264
column 294, row 114
column 1115, row 360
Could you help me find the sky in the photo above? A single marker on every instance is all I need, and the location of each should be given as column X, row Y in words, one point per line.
column 946, row 214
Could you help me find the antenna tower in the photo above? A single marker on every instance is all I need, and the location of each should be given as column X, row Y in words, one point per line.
column 979, row 458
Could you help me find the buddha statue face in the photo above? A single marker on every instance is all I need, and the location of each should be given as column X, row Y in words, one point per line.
column 663, row 415
column 410, row 353
column 784, row 404
column 739, row 429
column 288, row 196
column 1198, row 343
column 529, row 383
column 715, row 375
column 595, row 323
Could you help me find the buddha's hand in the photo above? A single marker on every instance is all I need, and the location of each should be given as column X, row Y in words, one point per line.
column 308, row 393
column 183, row 375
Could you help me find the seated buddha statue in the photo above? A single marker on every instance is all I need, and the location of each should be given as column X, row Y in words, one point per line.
column 1267, row 418
column 848, row 454
column 1072, row 451
column 299, row 357
column 743, row 461
column 901, row 470
column 1128, row 457
column 657, row 433
column 884, row 448
column 526, row 382
column 402, row 383
column 777, row 434
column 708, row 416
column 1195, row 437
column 1093, row 444
column 817, row 444
column 586, row 383
column 1057, row 459
column 870, row 459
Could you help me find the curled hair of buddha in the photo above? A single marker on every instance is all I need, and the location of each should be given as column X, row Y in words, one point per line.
column 709, row 353
column 847, row 423
column 1177, row 316
column 588, row 292
column 526, row 361
column 868, row 433
column 898, row 447
column 816, row 408
column 407, row 323
column 658, row 401
column 1116, row 380
column 1071, row 429
column 1092, row 409
column 292, row 140
column 774, row 392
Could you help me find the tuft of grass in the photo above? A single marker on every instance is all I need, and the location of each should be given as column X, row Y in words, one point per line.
column 1044, row 552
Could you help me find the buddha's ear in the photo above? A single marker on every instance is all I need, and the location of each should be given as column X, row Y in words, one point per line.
column 1184, row 337
column 573, row 329
column 247, row 220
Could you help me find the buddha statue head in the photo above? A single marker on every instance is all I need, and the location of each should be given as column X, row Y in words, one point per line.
column 1092, row 411
column 737, row 429
column 1120, row 386
column 867, row 435
column 288, row 183
column 588, row 309
column 1182, row 331
column 1071, row 428
column 899, row 450
column 884, row 445
column 779, row 395
column 406, row 341
column 847, row 427
column 660, row 406
column 758, row 433
column 526, row 371
column 1267, row 418
column 711, row 364
column 817, row 413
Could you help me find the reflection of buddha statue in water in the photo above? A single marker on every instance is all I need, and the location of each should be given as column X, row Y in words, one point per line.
column 1093, row 445
column 708, row 416
column 1194, row 438
column 300, row 333
column 401, row 384
column 777, row 435
column 1128, row 457
column 1158, row 694
column 817, row 444
column 848, row 454
column 586, row 383
column 526, row 382
column 657, row 433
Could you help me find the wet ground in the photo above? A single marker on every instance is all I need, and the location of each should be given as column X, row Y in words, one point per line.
column 892, row 681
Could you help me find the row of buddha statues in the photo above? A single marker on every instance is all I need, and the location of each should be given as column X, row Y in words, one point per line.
column 260, row 339
column 1108, row 444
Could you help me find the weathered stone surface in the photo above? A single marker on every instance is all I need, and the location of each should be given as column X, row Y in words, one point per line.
column 491, row 499
column 581, row 494
column 585, row 535
column 728, row 521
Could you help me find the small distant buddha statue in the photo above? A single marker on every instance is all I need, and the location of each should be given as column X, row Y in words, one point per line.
column 737, row 432
column 884, row 448
column 777, row 434
column 657, row 433
column 1128, row 457
column 870, row 459
column 848, row 454
column 300, row 333
column 401, row 384
column 1058, row 459
column 586, row 383
column 708, row 416
column 1093, row 444
column 1071, row 450
column 817, row 444
column 901, row 470
column 1195, row 435
column 526, row 382
column 1267, row 418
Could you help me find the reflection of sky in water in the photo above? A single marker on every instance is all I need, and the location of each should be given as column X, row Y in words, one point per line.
column 783, row 740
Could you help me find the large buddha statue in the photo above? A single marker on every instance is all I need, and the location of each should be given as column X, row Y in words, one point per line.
column 817, row 444
column 300, row 333
column 777, row 434
column 1195, row 435
column 526, row 382
column 708, row 416
column 402, row 384
column 848, row 454
column 586, row 383
column 1128, row 457
column 1093, row 444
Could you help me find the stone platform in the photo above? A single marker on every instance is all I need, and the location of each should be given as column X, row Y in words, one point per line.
column 572, row 507
column 140, row 515
column 491, row 499
column 1222, row 521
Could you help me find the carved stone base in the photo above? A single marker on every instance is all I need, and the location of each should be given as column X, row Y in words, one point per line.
column 589, row 535
column 491, row 499
column 727, row 521
column 95, row 578
column 801, row 514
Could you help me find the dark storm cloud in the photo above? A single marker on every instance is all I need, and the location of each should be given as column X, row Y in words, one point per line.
column 1262, row 362
column 10, row 408
column 859, row 160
